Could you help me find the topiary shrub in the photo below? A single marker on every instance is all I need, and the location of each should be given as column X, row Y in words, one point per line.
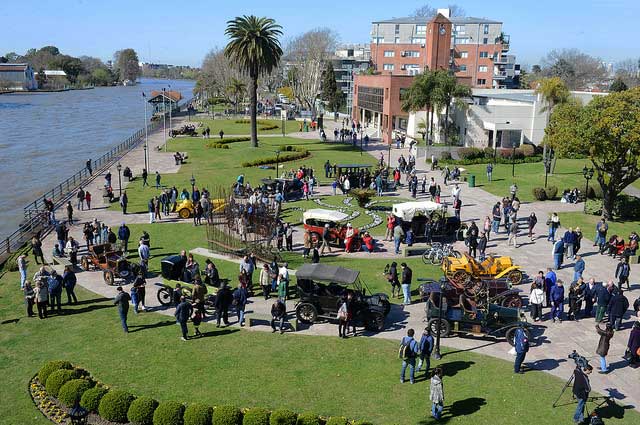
column 298, row 154
column 217, row 146
column 283, row 417
column 337, row 420
column 256, row 416
column 308, row 418
column 169, row 413
column 227, row 415
column 115, row 405
column 51, row 367
column 91, row 398
column 198, row 414
column 71, row 392
column 539, row 193
column 141, row 411
column 551, row 191
column 57, row 379
column 593, row 207
column 363, row 196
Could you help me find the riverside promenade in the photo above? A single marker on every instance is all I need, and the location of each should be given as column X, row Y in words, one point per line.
column 553, row 342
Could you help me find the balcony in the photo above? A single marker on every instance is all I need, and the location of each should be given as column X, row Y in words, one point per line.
column 500, row 75
column 501, row 60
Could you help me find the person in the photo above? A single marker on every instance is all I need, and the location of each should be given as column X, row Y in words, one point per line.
column 223, row 300
column 240, row 296
column 489, row 171
column 197, row 317
column 496, row 217
column 22, row 268
column 69, row 212
column 486, row 227
column 88, row 165
column 618, row 305
column 575, row 298
column 532, row 220
column 315, row 255
column 391, row 223
column 558, row 252
column 278, row 314
column 603, row 345
column 425, row 347
column 569, row 240
column 406, row 283
column 455, row 192
column 581, row 390
column 55, row 291
column 343, row 319
column 557, row 299
column 283, row 282
column 29, row 297
column 392, row 277
column 36, row 249
column 69, row 283
column 536, row 299
column 183, row 312
column 124, row 201
column 326, row 235
column 521, row 341
column 513, row 190
column 122, row 301
column 553, row 222
column 436, row 393
column 457, row 206
column 368, row 243
column 265, row 280
column 348, row 239
column 589, row 293
column 482, row 245
column 87, row 199
column 603, row 296
column 398, row 233
column 158, row 178
column 41, row 293
column 623, row 270
column 306, row 243
column 602, row 227
column 633, row 345
column 513, row 234
column 578, row 268
column 123, row 236
column 408, row 350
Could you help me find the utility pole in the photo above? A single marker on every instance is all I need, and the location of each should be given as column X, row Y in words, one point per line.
column 164, row 122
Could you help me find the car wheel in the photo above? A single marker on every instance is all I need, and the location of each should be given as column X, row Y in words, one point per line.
column 84, row 263
column 375, row 322
column 307, row 313
column 515, row 277
column 426, row 257
column 184, row 213
column 164, row 296
column 387, row 307
column 461, row 277
column 445, row 327
column 108, row 277
column 513, row 301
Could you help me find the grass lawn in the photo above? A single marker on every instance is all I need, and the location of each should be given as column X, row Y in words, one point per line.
column 567, row 176
column 231, row 127
column 220, row 167
column 357, row 377
column 587, row 224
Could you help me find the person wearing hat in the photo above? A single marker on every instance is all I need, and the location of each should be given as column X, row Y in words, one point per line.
column 406, row 283
column 326, row 234
column 348, row 239
column 224, row 299
column 283, row 282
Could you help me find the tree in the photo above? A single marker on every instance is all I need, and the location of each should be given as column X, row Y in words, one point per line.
column 236, row 89
column 254, row 47
column 608, row 131
column 420, row 96
column 70, row 65
column 307, row 54
column 330, row 91
column 217, row 74
column 618, row 85
column 3, row 59
column 12, row 57
column 41, row 78
column 127, row 64
column 52, row 50
column 102, row 77
column 448, row 90
column 429, row 11
column 577, row 69
column 554, row 92
column 629, row 71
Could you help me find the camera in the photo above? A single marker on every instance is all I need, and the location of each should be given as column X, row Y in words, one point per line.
column 579, row 360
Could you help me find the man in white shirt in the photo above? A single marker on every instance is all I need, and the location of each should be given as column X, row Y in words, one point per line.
column 455, row 192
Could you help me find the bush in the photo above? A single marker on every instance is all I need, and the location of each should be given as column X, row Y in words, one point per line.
column 115, row 405
column 217, row 146
column 91, row 398
column 594, row 207
column 470, row 153
column 273, row 159
column 168, row 413
column 283, row 417
column 141, row 411
column 227, row 415
column 262, row 124
column 488, row 152
column 363, row 196
column 626, row 207
column 308, row 418
column 551, row 192
column 508, row 153
column 198, row 414
column 528, row 150
column 256, row 416
column 57, row 379
column 51, row 367
column 233, row 140
column 445, row 155
column 72, row 391
column 539, row 193
column 268, row 127
column 337, row 420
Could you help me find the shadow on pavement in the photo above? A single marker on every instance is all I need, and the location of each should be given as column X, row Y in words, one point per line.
column 451, row 368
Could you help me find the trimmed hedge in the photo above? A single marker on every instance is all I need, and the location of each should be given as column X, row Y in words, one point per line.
column 256, row 416
column 274, row 159
column 198, row 414
column 57, row 379
column 51, row 367
column 230, row 140
column 168, row 413
column 72, row 391
column 308, row 418
column 551, row 192
column 337, row 420
column 227, row 415
column 91, row 398
column 262, row 124
column 539, row 193
column 217, row 146
column 283, row 417
column 141, row 411
column 363, row 196
column 115, row 405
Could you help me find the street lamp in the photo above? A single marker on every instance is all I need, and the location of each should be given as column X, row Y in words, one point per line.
column 192, row 180
column 164, row 121
column 443, row 286
column 78, row 415
column 119, row 168
column 587, row 173
column 546, row 160
column 513, row 160
column 146, row 132
column 277, row 163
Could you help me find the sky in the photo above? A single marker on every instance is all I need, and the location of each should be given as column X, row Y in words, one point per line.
column 181, row 32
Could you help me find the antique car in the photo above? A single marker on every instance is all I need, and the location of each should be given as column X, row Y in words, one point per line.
column 185, row 130
column 466, row 267
column 323, row 288
column 113, row 264
column 417, row 215
column 466, row 318
column 315, row 220
column 290, row 188
column 480, row 291
column 186, row 209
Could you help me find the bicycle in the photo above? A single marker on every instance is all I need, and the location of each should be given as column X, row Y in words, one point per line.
column 438, row 252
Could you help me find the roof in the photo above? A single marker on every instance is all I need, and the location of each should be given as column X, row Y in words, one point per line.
column 13, row 67
column 407, row 210
column 171, row 94
column 325, row 272
column 326, row 215
column 54, row 73
column 459, row 20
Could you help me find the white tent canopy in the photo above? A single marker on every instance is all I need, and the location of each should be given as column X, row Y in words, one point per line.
column 324, row 215
column 407, row 210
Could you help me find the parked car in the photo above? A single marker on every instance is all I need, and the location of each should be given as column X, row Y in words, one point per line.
column 323, row 288
column 316, row 219
column 480, row 291
column 113, row 264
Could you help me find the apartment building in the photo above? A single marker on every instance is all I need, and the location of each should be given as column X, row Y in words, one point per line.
column 348, row 61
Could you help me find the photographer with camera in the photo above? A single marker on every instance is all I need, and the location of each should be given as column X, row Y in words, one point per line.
column 581, row 388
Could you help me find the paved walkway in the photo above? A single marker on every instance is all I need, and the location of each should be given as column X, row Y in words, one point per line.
column 554, row 341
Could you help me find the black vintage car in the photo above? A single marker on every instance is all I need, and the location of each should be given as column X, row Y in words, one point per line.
column 323, row 288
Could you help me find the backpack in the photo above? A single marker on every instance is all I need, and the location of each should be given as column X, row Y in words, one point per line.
column 405, row 352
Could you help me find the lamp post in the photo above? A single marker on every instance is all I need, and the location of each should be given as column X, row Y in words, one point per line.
column 78, row 415
column 146, row 132
column 513, row 160
column 192, row 180
column 164, row 121
column 119, row 168
column 443, row 286
column 587, row 173
column 170, row 108
column 546, row 160
column 277, row 163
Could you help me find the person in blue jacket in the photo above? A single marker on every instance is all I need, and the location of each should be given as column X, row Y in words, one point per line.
column 426, row 347
column 410, row 356
column 557, row 301
column 521, row 341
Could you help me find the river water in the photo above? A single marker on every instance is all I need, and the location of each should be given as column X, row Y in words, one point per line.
column 46, row 137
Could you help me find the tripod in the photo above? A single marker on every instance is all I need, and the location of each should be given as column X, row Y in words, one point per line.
column 566, row 385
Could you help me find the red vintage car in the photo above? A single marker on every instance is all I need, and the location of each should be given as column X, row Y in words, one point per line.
column 315, row 220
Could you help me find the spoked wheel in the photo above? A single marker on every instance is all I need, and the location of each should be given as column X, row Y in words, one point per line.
column 375, row 322
column 461, row 277
column 511, row 335
column 445, row 327
column 513, row 301
column 456, row 254
column 84, row 263
column 108, row 277
column 306, row 313
column 184, row 213
column 515, row 277
column 164, row 296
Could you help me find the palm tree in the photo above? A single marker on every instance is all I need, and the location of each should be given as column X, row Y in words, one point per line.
column 420, row 96
column 446, row 92
column 236, row 90
column 554, row 91
column 254, row 47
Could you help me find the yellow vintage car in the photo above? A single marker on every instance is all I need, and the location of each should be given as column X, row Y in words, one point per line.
column 461, row 270
column 186, row 209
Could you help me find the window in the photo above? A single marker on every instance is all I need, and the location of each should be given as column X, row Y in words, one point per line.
column 377, row 40
column 486, row 29
column 462, row 68
column 418, row 40
column 459, row 29
column 388, row 67
column 485, row 40
column 460, row 40
column 412, row 54
column 421, row 29
column 396, row 40
column 464, row 55
column 389, row 53
column 482, row 81
column 482, row 68
column 484, row 54
column 370, row 98
column 397, row 29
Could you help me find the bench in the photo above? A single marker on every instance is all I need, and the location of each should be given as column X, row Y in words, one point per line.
column 410, row 251
column 62, row 261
